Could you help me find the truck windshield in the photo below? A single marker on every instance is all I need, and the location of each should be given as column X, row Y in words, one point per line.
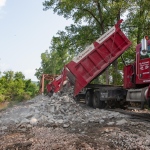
column 147, row 55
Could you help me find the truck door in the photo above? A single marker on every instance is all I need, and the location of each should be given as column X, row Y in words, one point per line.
column 144, row 67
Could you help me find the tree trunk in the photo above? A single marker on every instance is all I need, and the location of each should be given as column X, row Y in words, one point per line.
column 115, row 63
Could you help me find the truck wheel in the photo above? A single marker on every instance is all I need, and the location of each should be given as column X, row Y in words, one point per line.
column 89, row 98
column 50, row 93
column 97, row 103
column 96, row 100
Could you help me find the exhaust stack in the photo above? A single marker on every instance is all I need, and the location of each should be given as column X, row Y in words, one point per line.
column 144, row 47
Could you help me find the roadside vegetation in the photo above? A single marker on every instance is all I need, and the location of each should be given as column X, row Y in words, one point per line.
column 14, row 87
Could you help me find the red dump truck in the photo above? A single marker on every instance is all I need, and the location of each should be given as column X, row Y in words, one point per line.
column 94, row 60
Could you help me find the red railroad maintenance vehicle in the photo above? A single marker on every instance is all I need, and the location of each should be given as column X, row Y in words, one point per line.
column 94, row 60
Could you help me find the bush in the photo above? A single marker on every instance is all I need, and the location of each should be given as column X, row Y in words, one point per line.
column 2, row 98
column 14, row 87
column 26, row 96
column 22, row 97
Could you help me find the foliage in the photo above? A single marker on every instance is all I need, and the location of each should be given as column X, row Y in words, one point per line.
column 138, row 17
column 14, row 86
column 54, row 60
column 91, row 19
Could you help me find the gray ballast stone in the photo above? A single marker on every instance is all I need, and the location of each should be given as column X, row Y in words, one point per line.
column 110, row 123
column 120, row 122
column 56, row 109
column 24, row 121
column 33, row 121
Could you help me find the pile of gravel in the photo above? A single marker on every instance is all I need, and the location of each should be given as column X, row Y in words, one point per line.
column 60, row 109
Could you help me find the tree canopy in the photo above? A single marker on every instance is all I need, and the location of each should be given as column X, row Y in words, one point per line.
column 91, row 19
column 14, row 86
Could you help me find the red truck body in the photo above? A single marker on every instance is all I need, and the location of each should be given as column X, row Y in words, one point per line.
column 57, row 83
column 139, row 72
column 97, row 57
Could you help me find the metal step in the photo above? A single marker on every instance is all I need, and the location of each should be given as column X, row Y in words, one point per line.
column 133, row 108
column 133, row 100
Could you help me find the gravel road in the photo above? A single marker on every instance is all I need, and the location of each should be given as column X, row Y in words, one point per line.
column 60, row 123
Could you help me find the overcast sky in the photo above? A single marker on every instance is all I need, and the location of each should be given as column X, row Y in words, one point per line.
column 26, row 32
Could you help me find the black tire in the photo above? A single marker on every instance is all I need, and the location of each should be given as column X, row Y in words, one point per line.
column 89, row 98
column 50, row 93
column 102, row 104
column 96, row 100
column 97, row 103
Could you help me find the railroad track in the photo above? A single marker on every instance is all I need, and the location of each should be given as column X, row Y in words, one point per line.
column 134, row 115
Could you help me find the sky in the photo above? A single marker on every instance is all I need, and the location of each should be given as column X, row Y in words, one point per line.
column 26, row 31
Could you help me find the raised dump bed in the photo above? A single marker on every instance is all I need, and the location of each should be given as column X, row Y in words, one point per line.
column 97, row 57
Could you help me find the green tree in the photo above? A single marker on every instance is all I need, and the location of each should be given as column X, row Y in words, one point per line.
column 54, row 60
column 19, row 75
column 9, row 75
column 97, row 14
column 94, row 17
column 138, row 16
column 30, row 88
column 14, row 86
